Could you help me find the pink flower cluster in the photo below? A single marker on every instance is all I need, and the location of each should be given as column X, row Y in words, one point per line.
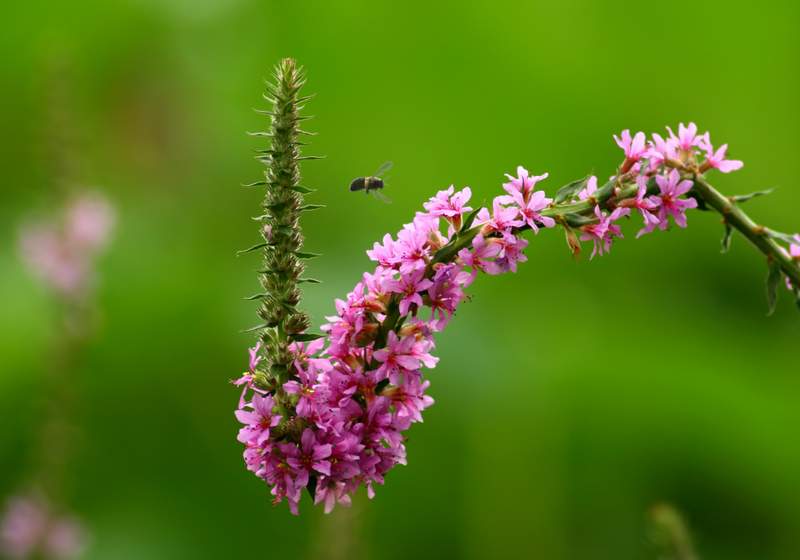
column 62, row 253
column 340, row 421
column 29, row 529
column 357, row 391
column 657, row 161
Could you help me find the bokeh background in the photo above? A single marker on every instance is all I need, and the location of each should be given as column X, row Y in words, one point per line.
column 571, row 397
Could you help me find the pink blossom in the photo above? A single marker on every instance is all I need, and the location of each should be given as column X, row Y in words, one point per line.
column 660, row 151
column 483, row 250
column 604, row 231
column 310, row 456
column 717, row 160
column 646, row 205
column 501, row 218
column 634, row 148
column 448, row 203
column 588, row 191
column 401, row 354
column 410, row 285
column 523, row 183
column 794, row 248
column 308, row 390
column 529, row 209
column 687, row 137
column 672, row 188
column 89, row 221
column 29, row 528
column 258, row 420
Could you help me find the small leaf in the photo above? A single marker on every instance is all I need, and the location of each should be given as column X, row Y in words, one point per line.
column 726, row 238
column 254, row 184
column 470, row 219
column 746, row 197
column 570, row 189
column 301, row 189
column 576, row 220
column 305, row 337
column 251, row 249
column 309, row 158
column 773, row 281
column 301, row 255
column 256, row 296
column 256, row 328
column 267, row 134
column 309, row 281
column 309, row 207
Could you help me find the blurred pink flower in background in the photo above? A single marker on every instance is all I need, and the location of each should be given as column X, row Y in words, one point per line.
column 61, row 251
column 29, row 529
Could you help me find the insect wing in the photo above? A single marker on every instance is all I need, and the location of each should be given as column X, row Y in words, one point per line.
column 383, row 169
column 380, row 196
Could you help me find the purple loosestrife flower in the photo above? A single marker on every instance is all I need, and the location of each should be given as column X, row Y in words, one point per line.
column 646, row 205
column 603, row 232
column 30, row 529
column 450, row 205
column 257, row 421
column 62, row 252
column 717, row 159
column 410, row 286
column 634, row 148
column 672, row 188
column 588, row 191
column 687, row 137
column 523, row 183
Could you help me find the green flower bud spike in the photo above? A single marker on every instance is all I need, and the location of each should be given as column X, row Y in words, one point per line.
column 283, row 266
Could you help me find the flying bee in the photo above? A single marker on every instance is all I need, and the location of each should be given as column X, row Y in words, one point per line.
column 372, row 183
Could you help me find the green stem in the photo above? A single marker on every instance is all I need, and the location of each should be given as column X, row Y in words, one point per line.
column 758, row 235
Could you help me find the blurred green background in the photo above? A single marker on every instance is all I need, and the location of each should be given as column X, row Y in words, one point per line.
column 571, row 397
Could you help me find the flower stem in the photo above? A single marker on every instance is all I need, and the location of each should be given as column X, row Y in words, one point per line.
column 758, row 235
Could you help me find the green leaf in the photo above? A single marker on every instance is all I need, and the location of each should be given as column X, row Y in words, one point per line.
column 256, row 328
column 745, row 197
column 256, row 296
column 251, row 249
column 301, row 189
column 301, row 255
column 305, row 337
column 265, row 134
column 773, row 281
column 309, row 281
column 309, row 158
column 470, row 219
column 309, row 207
column 726, row 238
column 576, row 220
column 254, row 184
column 569, row 190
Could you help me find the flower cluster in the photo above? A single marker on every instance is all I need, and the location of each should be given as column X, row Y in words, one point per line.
column 655, row 167
column 339, row 422
column 62, row 253
column 29, row 529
